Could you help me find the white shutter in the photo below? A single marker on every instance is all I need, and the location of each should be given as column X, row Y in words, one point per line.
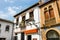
column 20, row 19
column 36, row 15
column 27, row 15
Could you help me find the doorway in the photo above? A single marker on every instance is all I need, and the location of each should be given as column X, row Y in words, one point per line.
column 15, row 37
column 22, row 36
column 29, row 37
column 2, row 39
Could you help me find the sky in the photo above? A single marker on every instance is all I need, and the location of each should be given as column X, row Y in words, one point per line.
column 9, row 8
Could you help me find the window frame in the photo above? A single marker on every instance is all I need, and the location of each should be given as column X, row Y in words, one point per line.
column 0, row 28
column 31, row 14
column 47, row 9
column 17, row 20
column 51, row 9
column 7, row 28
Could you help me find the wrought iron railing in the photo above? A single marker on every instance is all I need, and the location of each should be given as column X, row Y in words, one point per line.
column 22, row 24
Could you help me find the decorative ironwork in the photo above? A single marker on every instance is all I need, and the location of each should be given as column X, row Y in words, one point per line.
column 22, row 24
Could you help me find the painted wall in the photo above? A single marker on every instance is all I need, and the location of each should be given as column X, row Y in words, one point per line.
column 19, row 36
column 36, row 13
column 6, row 34
column 36, row 36
column 36, row 18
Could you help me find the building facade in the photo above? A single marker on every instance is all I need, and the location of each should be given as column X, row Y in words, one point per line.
column 6, row 29
column 27, row 24
column 50, row 20
column 44, row 15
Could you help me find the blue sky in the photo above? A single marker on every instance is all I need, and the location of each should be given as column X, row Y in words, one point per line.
column 8, row 8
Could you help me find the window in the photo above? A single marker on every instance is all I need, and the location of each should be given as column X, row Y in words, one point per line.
column 0, row 25
column 52, row 35
column 46, row 13
column 31, row 14
column 7, row 28
column 23, row 18
column 0, row 28
column 45, row 8
column 51, row 12
column 22, row 24
column 17, row 21
column 49, row 16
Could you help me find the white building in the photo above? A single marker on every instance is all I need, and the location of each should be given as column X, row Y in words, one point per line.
column 6, row 29
column 27, row 24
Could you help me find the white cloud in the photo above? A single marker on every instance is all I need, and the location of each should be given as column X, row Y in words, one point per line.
column 9, row 14
column 11, row 11
column 2, row 15
column 16, row 7
column 11, row 1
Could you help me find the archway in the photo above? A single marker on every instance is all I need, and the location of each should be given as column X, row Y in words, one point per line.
column 52, row 35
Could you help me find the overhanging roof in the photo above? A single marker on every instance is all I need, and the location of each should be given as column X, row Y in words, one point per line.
column 50, row 1
column 5, row 20
column 27, row 9
column 41, row 5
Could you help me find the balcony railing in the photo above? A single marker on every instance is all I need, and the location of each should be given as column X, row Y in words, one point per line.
column 22, row 24
column 30, row 19
column 50, row 22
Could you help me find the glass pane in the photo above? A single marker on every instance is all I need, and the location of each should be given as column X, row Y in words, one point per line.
column 51, row 12
column 52, row 34
column 46, row 15
column 31, row 14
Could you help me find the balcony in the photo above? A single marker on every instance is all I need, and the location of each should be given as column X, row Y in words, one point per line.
column 22, row 24
column 30, row 19
column 50, row 22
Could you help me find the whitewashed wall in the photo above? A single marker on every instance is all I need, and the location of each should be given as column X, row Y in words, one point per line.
column 18, row 28
column 36, row 13
column 35, row 36
column 36, row 18
column 6, row 34
column 19, row 36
